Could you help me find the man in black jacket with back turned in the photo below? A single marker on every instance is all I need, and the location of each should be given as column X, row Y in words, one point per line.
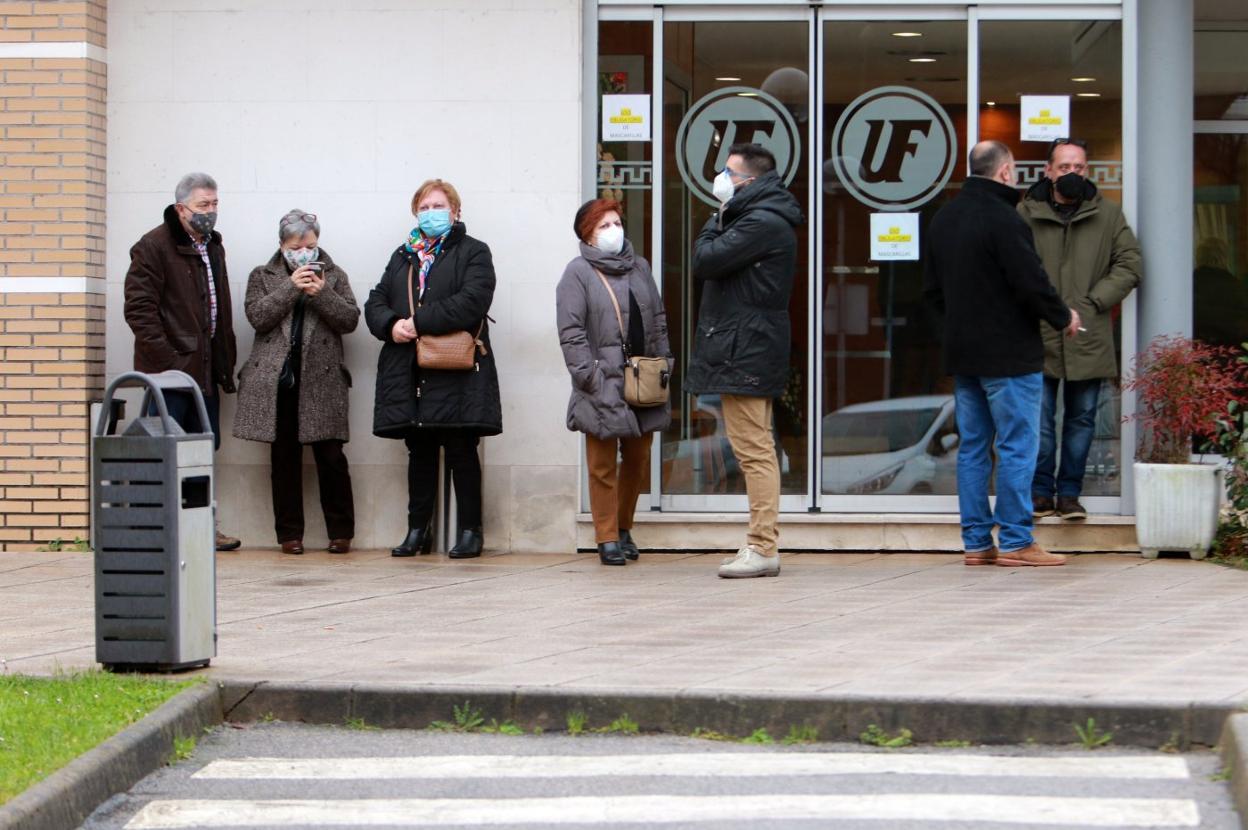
column 745, row 258
column 984, row 274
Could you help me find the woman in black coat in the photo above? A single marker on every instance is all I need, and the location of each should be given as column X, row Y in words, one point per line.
column 452, row 278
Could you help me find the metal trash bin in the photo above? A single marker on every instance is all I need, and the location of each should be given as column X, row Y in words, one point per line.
column 155, row 552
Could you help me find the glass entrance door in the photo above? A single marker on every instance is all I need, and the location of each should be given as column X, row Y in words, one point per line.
column 724, row 82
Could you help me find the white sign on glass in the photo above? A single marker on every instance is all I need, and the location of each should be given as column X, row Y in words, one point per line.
column 626, row 118
column 894, row 236
column 1044, row 117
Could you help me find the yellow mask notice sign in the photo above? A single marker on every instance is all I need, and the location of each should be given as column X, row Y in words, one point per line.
column 1044, row 117
column 894, row 236
column 626, row 118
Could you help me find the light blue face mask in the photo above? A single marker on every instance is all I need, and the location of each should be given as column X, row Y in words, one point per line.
column 434, row 222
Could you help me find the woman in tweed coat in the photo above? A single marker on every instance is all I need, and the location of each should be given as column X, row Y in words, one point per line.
column 293, row 389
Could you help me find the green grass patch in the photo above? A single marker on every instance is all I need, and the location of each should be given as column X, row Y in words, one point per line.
column 47, row 722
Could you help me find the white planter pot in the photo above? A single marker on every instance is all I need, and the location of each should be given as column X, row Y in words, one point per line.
column 1176, row 507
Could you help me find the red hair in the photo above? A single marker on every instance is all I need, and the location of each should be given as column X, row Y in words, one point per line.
column 591, row 213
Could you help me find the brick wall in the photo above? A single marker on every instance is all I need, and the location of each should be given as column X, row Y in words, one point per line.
column 52, row 193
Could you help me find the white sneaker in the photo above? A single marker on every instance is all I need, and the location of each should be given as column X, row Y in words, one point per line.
column 748, row 563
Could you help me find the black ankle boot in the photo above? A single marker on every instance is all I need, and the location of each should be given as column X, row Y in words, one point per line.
column 609, row 553
column 628, row 546
column 418, row 540
column 469, row 546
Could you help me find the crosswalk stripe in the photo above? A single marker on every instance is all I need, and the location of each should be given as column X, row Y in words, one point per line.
column 666, row 809
column 696, row 765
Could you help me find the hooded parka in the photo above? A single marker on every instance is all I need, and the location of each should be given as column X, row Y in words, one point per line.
column 168, row 308
column 745, row 257
column 458, row 293
column 324, row 382
column 593, row 350
column 1093, row 260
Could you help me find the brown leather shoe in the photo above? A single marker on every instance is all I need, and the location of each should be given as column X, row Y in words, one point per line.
column 1069, row 508
column 980, row 557
column 339, row 546
column 1042, row 506
column 294, row 546
column 227, row 542
column 1032, row 556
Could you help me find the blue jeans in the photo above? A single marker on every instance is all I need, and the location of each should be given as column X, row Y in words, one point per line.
column 1005, row 413
column 1079, row 399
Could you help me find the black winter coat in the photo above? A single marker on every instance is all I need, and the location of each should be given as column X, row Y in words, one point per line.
column 458, row 293
column 745, row 260
column 984, row 275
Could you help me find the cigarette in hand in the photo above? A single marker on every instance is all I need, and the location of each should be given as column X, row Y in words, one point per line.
column 1081, row 328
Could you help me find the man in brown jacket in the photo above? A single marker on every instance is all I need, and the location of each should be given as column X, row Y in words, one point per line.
column 178, row 306
column 1093, row 259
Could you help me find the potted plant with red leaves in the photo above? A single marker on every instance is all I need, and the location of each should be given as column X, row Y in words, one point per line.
column 1183, row 390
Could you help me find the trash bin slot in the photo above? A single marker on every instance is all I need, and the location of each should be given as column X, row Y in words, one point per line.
column 131, row 471
column 129, row 572
column 133, row 495
column 196, row 492
column 127, row 639
column 129, row 539
column 139, row 607
column 129, row 595
column 134, row 616
column 153, row 518
column 127, row 560
column 128, row 549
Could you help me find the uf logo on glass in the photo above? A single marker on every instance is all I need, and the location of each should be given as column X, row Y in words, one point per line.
column 728, row 116
column 894, row 148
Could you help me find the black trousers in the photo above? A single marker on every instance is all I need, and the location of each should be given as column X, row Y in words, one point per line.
column 181, row 407
column 332, row 474
column 422, row 475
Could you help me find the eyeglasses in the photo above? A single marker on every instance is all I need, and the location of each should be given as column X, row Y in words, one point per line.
column 737, row 175
column 306, row 218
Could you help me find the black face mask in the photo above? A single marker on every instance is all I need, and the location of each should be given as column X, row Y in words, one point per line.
column 1070, row 186
column 203, row 223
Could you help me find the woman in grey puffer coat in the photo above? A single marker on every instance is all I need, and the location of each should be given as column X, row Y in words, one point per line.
column 617, row 436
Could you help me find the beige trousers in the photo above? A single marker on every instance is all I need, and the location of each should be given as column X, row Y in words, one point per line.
column 618, row 467
column 748, row 421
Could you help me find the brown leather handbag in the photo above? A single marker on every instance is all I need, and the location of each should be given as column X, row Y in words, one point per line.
column 455, row 351
column 645, row 378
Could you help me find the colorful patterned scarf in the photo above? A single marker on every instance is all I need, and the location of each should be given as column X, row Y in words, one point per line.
column 427, row 250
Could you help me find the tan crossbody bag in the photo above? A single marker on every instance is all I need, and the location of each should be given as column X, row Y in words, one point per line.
column 455, row 351
column 645, row 378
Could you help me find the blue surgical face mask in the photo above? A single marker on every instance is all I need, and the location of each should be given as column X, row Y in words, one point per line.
column 434, row 222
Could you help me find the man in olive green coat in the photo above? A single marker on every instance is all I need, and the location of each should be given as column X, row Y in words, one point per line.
column 1093, row 259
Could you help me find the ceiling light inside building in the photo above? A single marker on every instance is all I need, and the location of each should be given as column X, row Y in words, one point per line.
column 748, row 94
column 922, row 60
column 727, row 78
column 992, row 103
column 1087, row 95
column 907, row 34
column 1083, row 80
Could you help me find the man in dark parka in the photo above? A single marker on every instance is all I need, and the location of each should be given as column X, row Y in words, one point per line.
column 745, row 257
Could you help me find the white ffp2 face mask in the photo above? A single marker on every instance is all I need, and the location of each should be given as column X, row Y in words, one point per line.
column 610, row 240
column 722, row 188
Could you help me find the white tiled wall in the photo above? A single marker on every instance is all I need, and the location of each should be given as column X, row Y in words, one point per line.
column 342, row 109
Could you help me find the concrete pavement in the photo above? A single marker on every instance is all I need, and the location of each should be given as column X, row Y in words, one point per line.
column 1107, row 627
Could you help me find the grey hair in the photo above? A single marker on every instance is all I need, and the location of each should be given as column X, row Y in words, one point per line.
column 293, row 225
column 192, row 182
